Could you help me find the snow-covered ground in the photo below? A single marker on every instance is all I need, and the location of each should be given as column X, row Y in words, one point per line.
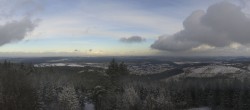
column 212, row 71
column 89, row 106
column 58, row 64
column 99, row 65
column 201, row 108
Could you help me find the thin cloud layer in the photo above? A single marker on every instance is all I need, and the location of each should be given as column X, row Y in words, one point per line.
column 220, row 26
column 15, row 30
column 133, row 39
column 27, row 8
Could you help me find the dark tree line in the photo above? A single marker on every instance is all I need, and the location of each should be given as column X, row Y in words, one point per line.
column 24, row 87
column 115, row 69
column 140, row 94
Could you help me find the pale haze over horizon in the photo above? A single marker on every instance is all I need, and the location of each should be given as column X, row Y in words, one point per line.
column 124, row 28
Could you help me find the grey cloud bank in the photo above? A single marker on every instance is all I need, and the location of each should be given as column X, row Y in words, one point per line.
column 133, row 39
column 15, row 30
column 16, row 19
column 220, row 26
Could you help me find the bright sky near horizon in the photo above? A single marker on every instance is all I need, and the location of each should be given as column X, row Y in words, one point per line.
column 117, row 27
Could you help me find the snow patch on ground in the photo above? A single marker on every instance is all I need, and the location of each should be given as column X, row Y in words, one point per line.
column 201, row 108
column 58, row 64
column 212, row 71
column 89, row 106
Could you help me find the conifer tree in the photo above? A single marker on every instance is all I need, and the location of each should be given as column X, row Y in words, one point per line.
column 123, row 69
column 113, row 69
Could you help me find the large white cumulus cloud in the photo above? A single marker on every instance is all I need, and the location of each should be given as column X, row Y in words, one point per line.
column 222, row 25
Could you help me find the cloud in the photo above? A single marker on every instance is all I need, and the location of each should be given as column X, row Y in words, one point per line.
column 10, row 8
column 16, row 19
column 15, row 30
column 222, row 25
column 133, row 39
column 243, row 3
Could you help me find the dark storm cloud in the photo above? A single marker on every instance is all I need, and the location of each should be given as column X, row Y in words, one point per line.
column 133, row 39
column 15, row 30
column 221, row 25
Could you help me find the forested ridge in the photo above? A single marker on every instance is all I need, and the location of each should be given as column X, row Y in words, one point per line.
column 25, row 87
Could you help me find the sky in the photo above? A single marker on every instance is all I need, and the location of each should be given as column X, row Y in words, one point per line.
column 124, row 28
